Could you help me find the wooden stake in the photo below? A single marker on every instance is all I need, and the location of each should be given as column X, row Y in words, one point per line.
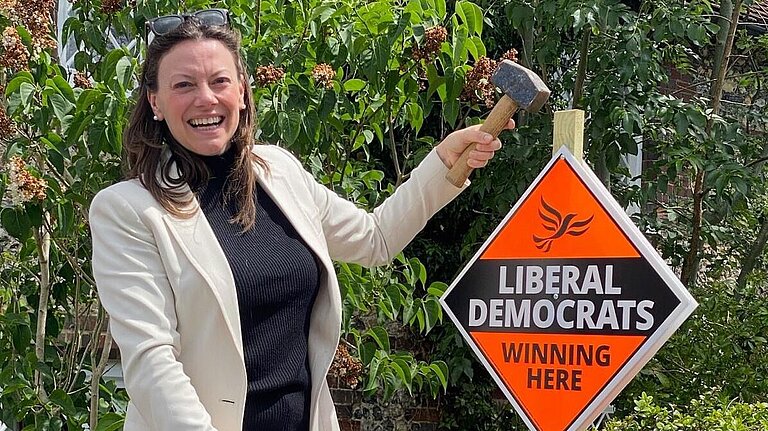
column 569, row 132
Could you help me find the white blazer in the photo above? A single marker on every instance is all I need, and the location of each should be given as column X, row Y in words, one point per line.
column 169, row 291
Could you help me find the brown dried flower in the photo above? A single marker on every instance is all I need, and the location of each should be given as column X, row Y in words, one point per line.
column 323, row 74
column 8, row 8
column 15, row 55
column 7, row 126
column 509, row 55
column 35, row 16
column 111, row 7
column 22, row 185
column 433, row 39
column 81, row 81
column 477, row 82
column 266, row 75
column 345, row 367
column 423, row 78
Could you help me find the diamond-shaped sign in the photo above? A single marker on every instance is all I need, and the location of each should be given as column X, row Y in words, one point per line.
column 566, row 301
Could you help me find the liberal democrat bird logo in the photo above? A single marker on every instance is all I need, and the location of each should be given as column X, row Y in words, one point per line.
column 555, row 222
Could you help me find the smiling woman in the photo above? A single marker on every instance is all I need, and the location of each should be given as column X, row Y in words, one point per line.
column 215, row 258
column 199, row 94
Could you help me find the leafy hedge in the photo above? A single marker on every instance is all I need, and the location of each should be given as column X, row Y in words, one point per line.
column 708, row 412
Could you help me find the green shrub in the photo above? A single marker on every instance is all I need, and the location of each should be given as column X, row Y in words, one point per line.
column 710, row 412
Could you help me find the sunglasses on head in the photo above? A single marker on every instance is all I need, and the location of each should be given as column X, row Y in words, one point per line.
column 207, row 17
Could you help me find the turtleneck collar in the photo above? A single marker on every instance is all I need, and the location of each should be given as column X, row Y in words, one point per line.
column 221, row 165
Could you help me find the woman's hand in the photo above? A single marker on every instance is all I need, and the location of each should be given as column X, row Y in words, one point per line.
column 454, row 144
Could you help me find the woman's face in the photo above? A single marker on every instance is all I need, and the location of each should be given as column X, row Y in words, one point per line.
column 199, row 95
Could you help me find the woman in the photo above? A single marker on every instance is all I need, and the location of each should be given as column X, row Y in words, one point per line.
column 214, row 258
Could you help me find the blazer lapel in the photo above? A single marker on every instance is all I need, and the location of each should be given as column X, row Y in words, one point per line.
column 199, row 244
column 277, row 186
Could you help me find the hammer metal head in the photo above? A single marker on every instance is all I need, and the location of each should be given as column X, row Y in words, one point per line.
column 521, row 85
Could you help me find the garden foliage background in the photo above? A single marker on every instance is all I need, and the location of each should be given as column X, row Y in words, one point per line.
column 361, row 90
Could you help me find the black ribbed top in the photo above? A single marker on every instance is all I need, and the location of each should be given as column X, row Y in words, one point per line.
column 277, row 278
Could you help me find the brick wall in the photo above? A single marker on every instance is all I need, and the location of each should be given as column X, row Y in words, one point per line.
column 402, row 412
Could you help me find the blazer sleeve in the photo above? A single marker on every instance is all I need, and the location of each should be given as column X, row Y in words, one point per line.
column 135, row 291
column 375, row 238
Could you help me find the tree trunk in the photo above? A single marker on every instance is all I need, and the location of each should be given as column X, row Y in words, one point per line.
column 257, row 18
column 581, row 71
column 527, row 58
column 758, row 246
column 43, row 240
column 726, row 10
column 691, row 261
column 751, row 260
column 98, row 371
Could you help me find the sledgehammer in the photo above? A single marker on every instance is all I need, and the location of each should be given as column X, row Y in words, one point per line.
column 522, row 89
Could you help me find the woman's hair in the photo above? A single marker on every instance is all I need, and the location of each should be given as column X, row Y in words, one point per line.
column 145, row 138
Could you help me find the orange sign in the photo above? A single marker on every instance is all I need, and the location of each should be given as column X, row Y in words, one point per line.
column 566, row 300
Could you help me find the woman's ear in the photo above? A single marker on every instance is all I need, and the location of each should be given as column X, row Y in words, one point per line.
column 152, row 99
column 242, row 92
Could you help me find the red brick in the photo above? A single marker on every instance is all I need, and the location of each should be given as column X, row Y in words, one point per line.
column 349, row 425
column 421, row 414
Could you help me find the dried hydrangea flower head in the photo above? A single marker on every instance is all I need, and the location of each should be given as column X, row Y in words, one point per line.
column 477, row 82
column 346, row 368
column 14, row 56
column 22, row 185
column 323, row 74
column 269, row 74
column 433, row 40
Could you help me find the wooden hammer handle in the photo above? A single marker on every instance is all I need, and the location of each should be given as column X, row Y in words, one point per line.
column 494, row 124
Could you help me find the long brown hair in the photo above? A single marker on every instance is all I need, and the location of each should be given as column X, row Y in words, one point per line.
column 145, row 139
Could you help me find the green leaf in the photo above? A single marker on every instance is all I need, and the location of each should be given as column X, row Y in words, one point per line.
column 327, row 104
column 420, row 317
column 35, row 214
column 380, row 336
column 352, row 85
column 65, row 217
column 451, row 111
column 395, row 295
column 60, row 105
column 322, row 12
column 15, row 83
column 368, row 136
column 109, row 66
column 460, row 12
column 415, row 116
column 291, row 126
column 473, row 16
column 440, row 9
column 22, row 98
column 311, row 123
column 378, row 131
column 432, row 314
column 367, row 352
column 437, row 289
column 89, row 98
column 77, row 128
column 110, row 422
column 459, row 45
column 64, row 88
column 441, row 371
column 373, row 373
column 61, row 399
column 403, row 371
column 471, row 48
column 123, row 71
column 16, row 222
